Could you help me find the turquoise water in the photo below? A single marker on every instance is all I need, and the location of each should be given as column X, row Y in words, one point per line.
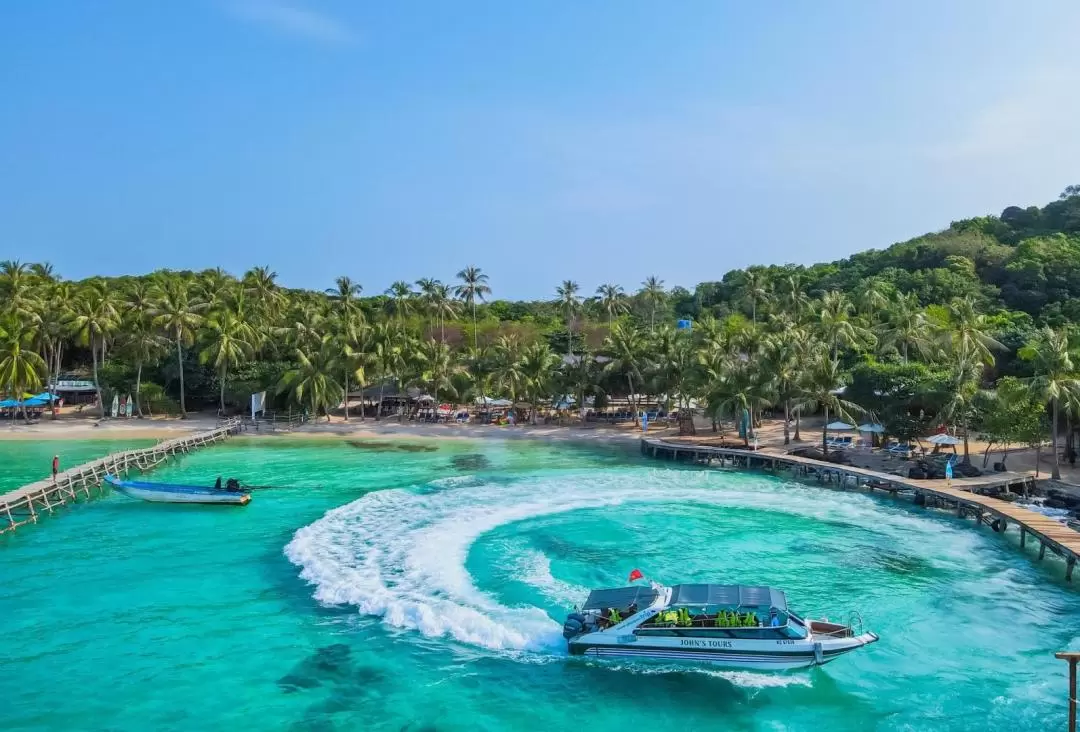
column 26, row 461
column 380, row 588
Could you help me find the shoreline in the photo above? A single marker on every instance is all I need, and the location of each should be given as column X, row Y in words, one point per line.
column 162, row 429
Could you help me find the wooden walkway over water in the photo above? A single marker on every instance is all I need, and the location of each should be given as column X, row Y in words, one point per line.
column 964, row 495
column 26, row 504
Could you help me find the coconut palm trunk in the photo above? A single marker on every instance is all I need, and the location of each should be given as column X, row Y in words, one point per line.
column 221, row 393
column 787, row 420
column 180, row 364
column 97, row 384
column 346, row 394
column 825, row 433
column 138, row 388
column 1056, row 475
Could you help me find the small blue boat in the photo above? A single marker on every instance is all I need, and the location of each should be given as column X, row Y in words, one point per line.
column 168, row 493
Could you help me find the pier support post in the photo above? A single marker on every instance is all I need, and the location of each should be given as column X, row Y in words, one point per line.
column 1042, row 550
column 1069, row 566
column 1072, row 658
column 1023, row 536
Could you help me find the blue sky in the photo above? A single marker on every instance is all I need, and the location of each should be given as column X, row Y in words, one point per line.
column 603, row 141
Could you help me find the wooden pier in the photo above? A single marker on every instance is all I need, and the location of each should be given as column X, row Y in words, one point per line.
column 25, row 505
column 962, row 495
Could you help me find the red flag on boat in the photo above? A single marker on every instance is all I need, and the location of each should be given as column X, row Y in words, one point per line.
column 636, row 575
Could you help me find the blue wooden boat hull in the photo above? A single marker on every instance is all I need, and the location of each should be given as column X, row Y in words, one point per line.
column 168, row 493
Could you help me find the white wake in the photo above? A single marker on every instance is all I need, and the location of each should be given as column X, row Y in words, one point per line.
column 400, row 554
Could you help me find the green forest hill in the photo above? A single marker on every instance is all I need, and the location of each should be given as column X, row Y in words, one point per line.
column 972, row 327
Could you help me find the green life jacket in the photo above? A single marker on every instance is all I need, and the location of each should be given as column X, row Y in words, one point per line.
column 615, row 617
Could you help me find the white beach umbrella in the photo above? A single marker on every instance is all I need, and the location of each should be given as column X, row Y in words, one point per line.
column 839, row 426
column 871, row 428
column 942, row 440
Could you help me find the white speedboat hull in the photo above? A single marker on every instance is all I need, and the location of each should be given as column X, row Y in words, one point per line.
column 770, row 655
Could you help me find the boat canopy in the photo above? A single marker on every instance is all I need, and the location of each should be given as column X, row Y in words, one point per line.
column 734, row 595
column 620, row 598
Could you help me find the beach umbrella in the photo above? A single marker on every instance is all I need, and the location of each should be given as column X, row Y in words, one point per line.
column 871, row 428
column 35, row 402
column 839, row 426
column 8, row 403
column 942, row 440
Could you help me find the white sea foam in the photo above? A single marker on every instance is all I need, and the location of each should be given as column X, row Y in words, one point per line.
column 400, row 554
column 534, row 568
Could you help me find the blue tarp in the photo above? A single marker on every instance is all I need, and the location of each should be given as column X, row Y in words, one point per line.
column 34, row 402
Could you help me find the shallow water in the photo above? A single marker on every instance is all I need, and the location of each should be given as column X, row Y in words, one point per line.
column 398, row 587
column 26, row 461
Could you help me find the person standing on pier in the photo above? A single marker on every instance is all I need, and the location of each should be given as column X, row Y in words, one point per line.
column 55, row 466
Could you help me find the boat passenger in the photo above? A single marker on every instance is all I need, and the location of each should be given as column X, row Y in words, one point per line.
column 774, row 618
column 232, row 484
column 217, row 483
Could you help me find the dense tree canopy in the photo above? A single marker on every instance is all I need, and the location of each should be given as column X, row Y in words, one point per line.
column 912, row 336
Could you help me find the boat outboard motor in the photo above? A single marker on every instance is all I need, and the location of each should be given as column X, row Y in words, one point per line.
column 574, row 625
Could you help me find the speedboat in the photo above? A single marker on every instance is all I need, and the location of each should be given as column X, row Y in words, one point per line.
column 173, row 493
column 736, row 626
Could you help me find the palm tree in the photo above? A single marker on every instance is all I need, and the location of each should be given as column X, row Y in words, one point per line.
column 836, row 326
column 94, row 318
column 441, row 306
column 178, row 317
column 626, row 349
column 344, row 295
column 16, row 289
column 1056, row 380
column 388, row 356
column 473, row 287
column 612, row 301
column 906, row 327
column 959, row 393
column 823, row 382
column 439, row 368
column 969, row 331
column 52, row 321
column 227, row 346
column 506, row 368
column 872, row 296
column 21, row 368
column 142, row 344
column 537, row 367
column 754, row 289
column 785, row 354
column 349, row 327
column 733, row 387
column 401, row 300
column 652, row 293
column 570, row 302
column 260, row 286
column 791, row 295
column 312, row 383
